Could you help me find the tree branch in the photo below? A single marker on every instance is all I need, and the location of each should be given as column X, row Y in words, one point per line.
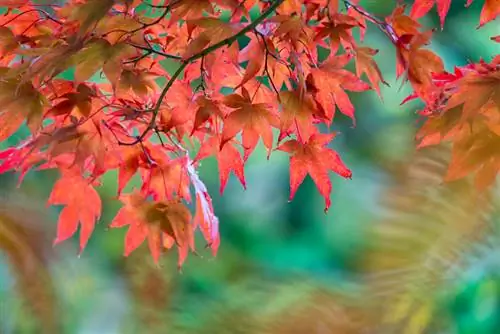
column 151, row 50
column 383, row 26
column 228, row 41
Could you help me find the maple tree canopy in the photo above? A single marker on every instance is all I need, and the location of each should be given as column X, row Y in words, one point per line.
column 243, row 71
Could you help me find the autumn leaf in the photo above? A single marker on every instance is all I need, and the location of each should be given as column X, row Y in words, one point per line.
column 475, row 152
column 8, row 42
column 88, row 13
column 161, row 223
column 206, row 110
column 420, row 64
column 228, row 159
column 140, row 83
column 82, row 206
column 254, row 120
column 19, row 102
column 339, row 32
column 366, row 64
column 490, row 11
column 81, row 100
column 214, row 31
column 186, row 78
column 294, row 30
column 422, row 7
column 328, row 83
column 166, row 179
column 314, row 158
column 255, row 53
column 297, row 114
column 190, row 9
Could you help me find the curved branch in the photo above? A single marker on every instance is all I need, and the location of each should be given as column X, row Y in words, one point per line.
column 225, row 42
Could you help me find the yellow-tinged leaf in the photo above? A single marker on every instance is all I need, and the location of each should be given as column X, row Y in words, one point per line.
column 89, row 12
column 19, row 101
column 90, row 59
column 8, row 41
column 366, row 64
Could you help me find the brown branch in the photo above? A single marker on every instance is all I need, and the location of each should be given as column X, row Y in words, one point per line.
column 151, row 50
column 47, row 16
column 383, row 26
column 266, row 64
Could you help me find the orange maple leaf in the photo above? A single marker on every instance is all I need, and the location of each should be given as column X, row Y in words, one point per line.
column 163, row 224
column 82, row 206
column 18, row 102
column 254, row 120
column 328, row 83
column 422, row 7
column 339, row 31
column 366, row 64
column 298, row 112
column 315, row 158
column 228, row 159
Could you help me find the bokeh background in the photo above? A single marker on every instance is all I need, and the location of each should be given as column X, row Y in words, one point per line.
column 283, row 267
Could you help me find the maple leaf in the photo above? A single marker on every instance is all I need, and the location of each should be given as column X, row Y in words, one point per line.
column 420, row 64
column 255, row 53
column 422, row 7
column 214, row 31
column 474, row 91
column 297, row 114
column 139, row 82
column 132, row 158
column 254, row 120
column 82, row 206
column 19, row 102
column 366, row 64
column 404, row 26
column 314, row 158
column 228, row 159
column 96, row 55
column 190, row 9
column 87, row 13
column 163, row 224
column 183, row 72
column 491, row 9
column 81, row 100
column 8, row 42
column 328, row 83
column 294, row 30
column 166, row 179
column 205, row 217
column 206, row 110
column 475, row 151
column 339, row 31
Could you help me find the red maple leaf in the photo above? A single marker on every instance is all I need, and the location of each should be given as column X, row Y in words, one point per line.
column 228, row 159
column 314, row 158
column 328, row 83
column 82, row 206
column 163, row 224
column 254, row 120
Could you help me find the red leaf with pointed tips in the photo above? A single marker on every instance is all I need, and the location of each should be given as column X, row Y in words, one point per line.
column 228, row 159
column 253, row 119
column 82, row 207
column 315, row 159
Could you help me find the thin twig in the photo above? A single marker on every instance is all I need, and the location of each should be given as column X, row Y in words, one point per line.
column 225, row 42
column 383, row 26
column 160, row 53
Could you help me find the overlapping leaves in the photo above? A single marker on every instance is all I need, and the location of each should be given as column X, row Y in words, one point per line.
column 124, row 110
